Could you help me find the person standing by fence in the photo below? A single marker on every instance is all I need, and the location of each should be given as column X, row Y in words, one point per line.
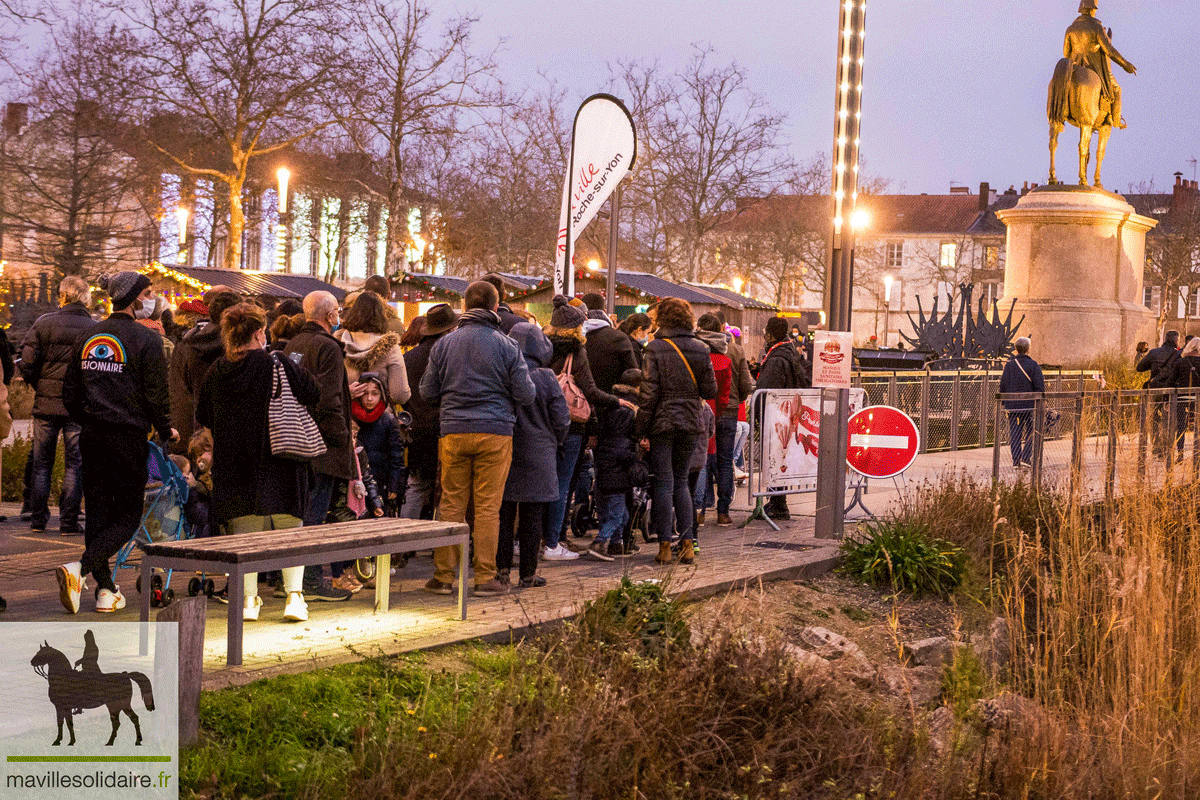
column 1021, row 376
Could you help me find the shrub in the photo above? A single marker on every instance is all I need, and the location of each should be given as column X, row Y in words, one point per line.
column 12, row 470
column 640, row 611
column 903, row 556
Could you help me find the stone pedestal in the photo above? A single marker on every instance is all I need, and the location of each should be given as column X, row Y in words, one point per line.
column 1074, row 264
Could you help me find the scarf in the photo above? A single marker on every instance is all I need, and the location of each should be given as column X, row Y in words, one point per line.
column 362, row 415
column 484, row 316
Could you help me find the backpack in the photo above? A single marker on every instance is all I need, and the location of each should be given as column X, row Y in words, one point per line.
column 578, row 408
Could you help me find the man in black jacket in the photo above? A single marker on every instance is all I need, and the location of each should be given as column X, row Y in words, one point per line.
column 45, row 354
column 609, row 351
column 1161, row 360
column 116, row 389
column 423, row 450
column 315, row 349
column 782, row 368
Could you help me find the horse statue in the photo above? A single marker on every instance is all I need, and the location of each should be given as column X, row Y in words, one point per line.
column 72, row 690
column 1076, row 96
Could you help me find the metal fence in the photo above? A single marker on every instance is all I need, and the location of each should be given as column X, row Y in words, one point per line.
column 1097, row 444
column 954, row 410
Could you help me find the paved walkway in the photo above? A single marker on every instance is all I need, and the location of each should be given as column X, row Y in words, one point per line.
column 339, row 632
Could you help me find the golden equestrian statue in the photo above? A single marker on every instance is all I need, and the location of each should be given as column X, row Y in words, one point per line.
column 1083, row 91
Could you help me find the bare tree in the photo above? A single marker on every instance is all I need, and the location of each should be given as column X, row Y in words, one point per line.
column 226, row 82
column 1172, row 248
column 705, row 140
column 417, row 84
column 72, row 190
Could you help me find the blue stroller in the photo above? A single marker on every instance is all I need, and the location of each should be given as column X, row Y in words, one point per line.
column 163, row 519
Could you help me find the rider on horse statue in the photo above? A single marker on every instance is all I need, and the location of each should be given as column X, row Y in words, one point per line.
column 1087, row 44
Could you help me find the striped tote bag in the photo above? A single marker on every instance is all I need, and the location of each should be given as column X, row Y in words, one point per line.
column 293, row 433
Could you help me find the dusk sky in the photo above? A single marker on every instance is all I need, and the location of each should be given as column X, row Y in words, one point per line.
column 955, row 91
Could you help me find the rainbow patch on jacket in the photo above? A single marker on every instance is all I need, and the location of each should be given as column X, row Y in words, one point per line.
column 103, row 353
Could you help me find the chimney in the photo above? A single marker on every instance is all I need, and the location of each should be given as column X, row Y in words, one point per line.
column 985, row 196
column 16, row 115
column 1178, row 178
column 1025, row 189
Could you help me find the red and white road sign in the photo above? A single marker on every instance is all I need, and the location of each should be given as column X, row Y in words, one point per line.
column 883, row 442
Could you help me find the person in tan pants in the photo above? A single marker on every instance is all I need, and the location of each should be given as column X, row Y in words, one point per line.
column 477, row 377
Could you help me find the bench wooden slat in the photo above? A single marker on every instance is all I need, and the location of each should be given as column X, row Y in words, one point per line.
column 303, row 541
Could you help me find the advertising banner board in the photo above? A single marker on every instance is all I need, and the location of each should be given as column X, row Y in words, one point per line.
column 833, row 356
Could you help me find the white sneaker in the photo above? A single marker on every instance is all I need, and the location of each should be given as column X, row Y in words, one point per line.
column 559, row 553
column 70, row 586
column 296, row 609
column 107, row 601
column 740, row 474
column 250, row 609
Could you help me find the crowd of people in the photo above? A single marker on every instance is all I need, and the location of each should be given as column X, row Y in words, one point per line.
column 485, row 416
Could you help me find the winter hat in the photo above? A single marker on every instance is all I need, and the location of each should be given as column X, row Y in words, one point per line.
column 124, row 287
column 777, row 329
column 439, row 319
column 565, row 315
column 632, row 377
column 598, row 314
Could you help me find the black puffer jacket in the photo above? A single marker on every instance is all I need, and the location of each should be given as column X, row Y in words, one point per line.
column 670, row 399
column 616, row 447
column 783, row 368
column 46, row 352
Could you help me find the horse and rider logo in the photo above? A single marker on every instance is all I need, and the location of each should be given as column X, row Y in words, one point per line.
column 75, row 689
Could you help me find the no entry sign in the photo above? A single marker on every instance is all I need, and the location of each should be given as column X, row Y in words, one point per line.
column 883, row 442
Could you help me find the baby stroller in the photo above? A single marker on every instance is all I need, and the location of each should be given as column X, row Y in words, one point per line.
column 163, row 520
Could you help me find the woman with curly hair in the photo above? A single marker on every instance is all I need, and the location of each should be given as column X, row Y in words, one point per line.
column 371, row 347
column 677, row 377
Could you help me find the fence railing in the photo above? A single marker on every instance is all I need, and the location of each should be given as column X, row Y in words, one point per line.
column 1098, row 444
column 953, row 410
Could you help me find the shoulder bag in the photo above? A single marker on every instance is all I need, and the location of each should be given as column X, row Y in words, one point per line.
column 578, row 408
column 1052, row 416
column 291, row 429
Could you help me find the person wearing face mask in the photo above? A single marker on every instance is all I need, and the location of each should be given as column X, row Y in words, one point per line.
column 150, row 316
column 315, row 349
column 637, row 328
column 116, row 389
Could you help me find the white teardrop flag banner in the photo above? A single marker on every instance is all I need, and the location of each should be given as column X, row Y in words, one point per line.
column 603, row 149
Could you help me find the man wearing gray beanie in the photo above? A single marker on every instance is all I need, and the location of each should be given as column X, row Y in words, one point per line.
column 116, row 389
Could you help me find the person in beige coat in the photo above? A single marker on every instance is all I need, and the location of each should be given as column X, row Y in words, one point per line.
column 371, row 347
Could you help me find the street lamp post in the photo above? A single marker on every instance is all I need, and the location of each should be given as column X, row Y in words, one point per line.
column 282, row 238
column 887, row 306
column 839, row 283
column 181, row 215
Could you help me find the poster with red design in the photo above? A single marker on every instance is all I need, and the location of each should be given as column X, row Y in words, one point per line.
column 833, row 355
column 790, row 429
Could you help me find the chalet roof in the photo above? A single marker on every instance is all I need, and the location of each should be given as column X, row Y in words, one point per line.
column 251, row 282
column 890, row 214
column 659, row 288
column 449, row 284
column 732, row 298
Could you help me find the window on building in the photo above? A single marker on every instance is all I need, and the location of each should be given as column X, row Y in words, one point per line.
column 949, row 255
column 991, row 256
column 990, row 293
column 793, row 294
column 1152, row 298
column 1193, row 303
column 895, row 255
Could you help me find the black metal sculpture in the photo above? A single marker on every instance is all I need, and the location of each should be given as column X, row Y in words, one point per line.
column 963, row 335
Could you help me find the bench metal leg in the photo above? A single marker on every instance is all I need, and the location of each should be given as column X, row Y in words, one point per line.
column 236, row 594
column 462, row 580
column 383, row 581
column 144, row 603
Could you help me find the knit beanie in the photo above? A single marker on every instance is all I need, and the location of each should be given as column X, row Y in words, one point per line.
column 565, row 315
column 777, row 329
column 124, row 287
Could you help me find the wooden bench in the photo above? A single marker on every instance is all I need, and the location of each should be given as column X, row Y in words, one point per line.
column 263, row 551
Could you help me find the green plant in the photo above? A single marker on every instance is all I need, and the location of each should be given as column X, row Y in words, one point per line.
column 963, row 682
column 641, row 610
column 12, row 470
column 903, row 556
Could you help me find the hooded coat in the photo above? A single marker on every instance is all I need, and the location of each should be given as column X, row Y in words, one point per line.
column 616, row 446
column 541, row 426
column 718, row 346
column 609, row 352
column 581, row 371
column 376, row 352
column 318, row 352
column 783, row 368
column 194, row 354
column 383, row 442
